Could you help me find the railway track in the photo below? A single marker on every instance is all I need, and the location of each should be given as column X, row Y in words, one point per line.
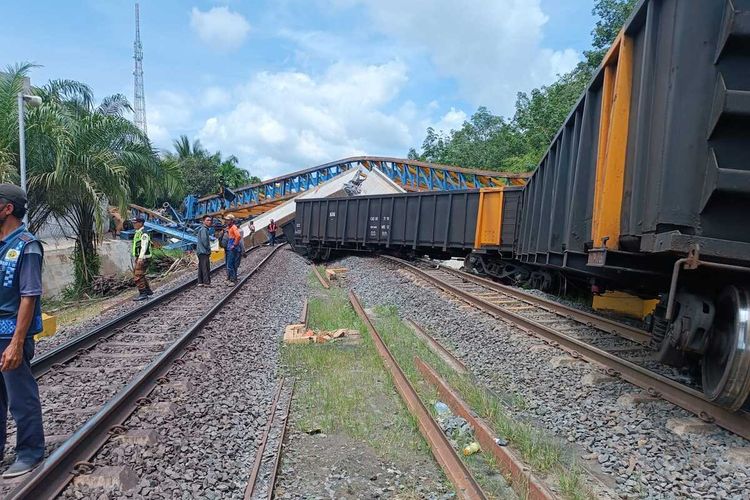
column 110, row 371
column 263, row 476
column 620, row 350
column 68, row 351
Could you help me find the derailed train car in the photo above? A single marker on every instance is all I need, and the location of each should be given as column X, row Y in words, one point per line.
column 645, row 188
column 440, row 223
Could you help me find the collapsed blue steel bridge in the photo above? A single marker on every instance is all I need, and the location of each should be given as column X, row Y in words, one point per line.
column 410, row 174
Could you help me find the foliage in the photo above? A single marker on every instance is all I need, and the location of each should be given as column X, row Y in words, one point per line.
column 479, row 142
column 204, row 172
column 518, row 144
column 80, row 159
column 612, row 15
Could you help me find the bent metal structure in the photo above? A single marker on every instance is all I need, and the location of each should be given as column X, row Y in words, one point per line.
column 410, row 174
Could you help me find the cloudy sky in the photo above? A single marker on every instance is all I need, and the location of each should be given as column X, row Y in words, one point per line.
column 288, row 84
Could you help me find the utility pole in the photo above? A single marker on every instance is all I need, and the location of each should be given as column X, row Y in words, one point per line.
column 139, row 100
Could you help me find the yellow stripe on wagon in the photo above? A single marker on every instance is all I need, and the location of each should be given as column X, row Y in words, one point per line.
column 613, row 142
column 489, row 218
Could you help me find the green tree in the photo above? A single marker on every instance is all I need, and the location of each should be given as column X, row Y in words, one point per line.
column 541, row 112
column 198, row 168
column 518, row 144
column 203, row 172
column 80, row 159
column 611, row 16
column 231, row 175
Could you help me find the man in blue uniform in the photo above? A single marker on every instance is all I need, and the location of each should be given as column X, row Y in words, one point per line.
column 21, row 257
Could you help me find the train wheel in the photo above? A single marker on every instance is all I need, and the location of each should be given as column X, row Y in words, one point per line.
column 726, row 363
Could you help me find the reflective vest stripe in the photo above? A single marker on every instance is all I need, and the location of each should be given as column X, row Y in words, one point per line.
column 137, row 240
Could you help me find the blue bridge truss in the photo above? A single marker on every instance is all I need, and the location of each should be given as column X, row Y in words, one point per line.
column 409, row 174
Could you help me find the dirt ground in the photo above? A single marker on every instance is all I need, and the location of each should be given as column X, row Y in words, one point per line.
column 336, row 466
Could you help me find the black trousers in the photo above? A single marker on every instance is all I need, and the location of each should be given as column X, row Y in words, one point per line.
column 204, row 269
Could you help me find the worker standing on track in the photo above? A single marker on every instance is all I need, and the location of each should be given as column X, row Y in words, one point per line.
column 272, row 228
column 21, row 256
column 141, row 254
column 203, row 250
column 234, row 247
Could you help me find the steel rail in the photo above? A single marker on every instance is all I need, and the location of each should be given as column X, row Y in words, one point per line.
column 569, row 312
column 50, row 478
column 303, row 314
column 72, row 348
column 465, row 484
column 252, row 482
column 277, row 453
column 438, row 348
column 524, row 482
column 669, row 390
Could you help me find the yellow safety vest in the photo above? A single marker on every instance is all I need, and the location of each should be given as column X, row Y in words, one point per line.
column 138, row 240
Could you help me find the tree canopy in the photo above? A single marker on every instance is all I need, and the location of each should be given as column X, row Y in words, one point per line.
column 81, row 157
column 204, row 172
column 517, row 144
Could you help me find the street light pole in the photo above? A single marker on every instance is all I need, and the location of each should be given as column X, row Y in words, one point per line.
column 33, row 101
column 22, row 141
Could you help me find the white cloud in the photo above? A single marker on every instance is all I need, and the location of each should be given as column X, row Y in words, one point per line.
column 215, row 97
column 452, row 120
column 219, row 27
column 492, row 48
column 168, row 114
column 289, row 120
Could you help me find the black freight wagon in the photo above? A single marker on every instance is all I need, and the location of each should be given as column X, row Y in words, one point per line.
column 646, row 187
column 654, row 160
column 439, row 224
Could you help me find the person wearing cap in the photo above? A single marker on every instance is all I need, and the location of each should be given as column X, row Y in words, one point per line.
column 234, row 247
column 141, row 253
column 21, row 256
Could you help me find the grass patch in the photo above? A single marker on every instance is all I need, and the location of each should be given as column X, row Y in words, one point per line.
column 344, row 388
column 69, row 311
column 545, row 454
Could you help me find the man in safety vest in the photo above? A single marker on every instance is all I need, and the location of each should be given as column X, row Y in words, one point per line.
column 141, row 254
column 21, row 256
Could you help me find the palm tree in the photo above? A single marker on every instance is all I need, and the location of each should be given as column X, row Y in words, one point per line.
column 81, row 158
column 231, row 174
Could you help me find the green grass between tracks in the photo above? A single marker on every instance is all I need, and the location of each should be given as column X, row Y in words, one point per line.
column 343, row 388
column 346, row 389
column 545, row 454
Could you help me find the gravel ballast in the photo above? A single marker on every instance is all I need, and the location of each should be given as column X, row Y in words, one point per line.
column 630, row 445
column 206, row 423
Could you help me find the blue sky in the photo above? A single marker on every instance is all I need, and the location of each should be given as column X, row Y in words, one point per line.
column 288, row 84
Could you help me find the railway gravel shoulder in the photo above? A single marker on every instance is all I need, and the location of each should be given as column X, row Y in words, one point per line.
column 630, row 445
column 206, row 423
column 74, row 392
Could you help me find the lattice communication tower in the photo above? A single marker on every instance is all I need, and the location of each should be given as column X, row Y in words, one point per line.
column 139, row 99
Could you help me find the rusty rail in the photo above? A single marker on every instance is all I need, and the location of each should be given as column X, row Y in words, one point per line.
column 669, row 390
column 605, row 324
column 303, row 314
column 73, row 348
column 251, row 489
column 465, row 484
column 251, row 483
column 438, row 348
column 523, row 481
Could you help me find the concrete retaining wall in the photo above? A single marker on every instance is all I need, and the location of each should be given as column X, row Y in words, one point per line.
column 58, row 270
